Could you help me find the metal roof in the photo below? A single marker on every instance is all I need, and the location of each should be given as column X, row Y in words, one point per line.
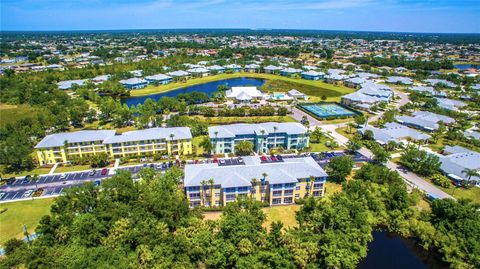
column 151, row 134
column 288, row 171
column 58, row 140
column 232, row 130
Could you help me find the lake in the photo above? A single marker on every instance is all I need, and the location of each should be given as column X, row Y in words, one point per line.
column 207, row 88
column 466, row 66
column 391, row 251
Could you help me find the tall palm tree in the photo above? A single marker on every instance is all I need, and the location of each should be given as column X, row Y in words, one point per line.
column 311, row 180
column 254, row 184
column 65, row 148
column 203, row 183
column 262, row 186
column 35, row 179
column 216, row 135
column 470, row 173
column 171, row 142
column 275, row 128
column 211, row 182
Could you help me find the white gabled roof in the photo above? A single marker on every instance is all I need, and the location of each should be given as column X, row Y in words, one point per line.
column 243, row 92
column 288, row 171
column 151, row 134
column 158, row 77
column 231, row 130
column 58, row 140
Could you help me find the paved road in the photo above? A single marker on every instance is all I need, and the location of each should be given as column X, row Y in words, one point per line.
column 54, row 184
column 412, row 179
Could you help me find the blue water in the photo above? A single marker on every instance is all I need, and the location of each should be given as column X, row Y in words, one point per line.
column 207, row 88
column 391, row 251
column 466, row 66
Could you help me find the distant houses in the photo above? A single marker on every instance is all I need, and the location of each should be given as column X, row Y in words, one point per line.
column 134, row 83
column 271, row 69
column 458, row 161
column 159, row 79
column 440, row 82
column 450, row 104
column 288, row 72
column 68, row 84
column 368, row 95
column 425, row 120
column 428, row 90
column 312, row 75
column 399, row 80
column 394, row 132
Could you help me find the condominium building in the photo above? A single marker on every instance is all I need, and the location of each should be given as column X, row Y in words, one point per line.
column 264, row 136
column 273, row 182
column 63, row 147
column 171, row 141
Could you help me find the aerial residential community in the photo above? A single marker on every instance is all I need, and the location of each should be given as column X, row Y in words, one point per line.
column 239, row 146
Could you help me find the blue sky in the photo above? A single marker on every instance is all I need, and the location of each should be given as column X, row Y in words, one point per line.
column 368, row 15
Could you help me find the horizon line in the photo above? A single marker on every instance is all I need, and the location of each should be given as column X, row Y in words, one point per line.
column 249, row 29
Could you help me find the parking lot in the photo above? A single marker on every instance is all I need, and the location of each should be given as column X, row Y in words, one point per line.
column 52, row 185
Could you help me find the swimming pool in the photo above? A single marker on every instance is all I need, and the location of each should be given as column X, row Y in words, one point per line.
column 328, row 110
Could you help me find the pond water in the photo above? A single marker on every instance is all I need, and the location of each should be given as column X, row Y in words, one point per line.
column 388, row 250
column 207, row 88
column 466, row 66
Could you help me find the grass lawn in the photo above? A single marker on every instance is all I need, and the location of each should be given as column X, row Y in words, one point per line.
column 256, row 119
column 13, row 113
column 344, row 131
column 38, row 171
column 20, row 213
column 472, row 193
column 320, row 147
column 331, row 188
column 277, row 83
column 73, row 168
column 196, row 145
column 283, row 213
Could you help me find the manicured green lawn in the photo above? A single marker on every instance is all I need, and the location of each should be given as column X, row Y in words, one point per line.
column 332, row 188
column 472, row 193
column 278, row 83
column 38, row 171
column 345, row 131
column 73, row 168
column 20, row 213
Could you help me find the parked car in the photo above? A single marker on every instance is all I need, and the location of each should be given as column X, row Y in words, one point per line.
column 92, row 173
column 11, row 180
column 279, row 157
column 27, row 193
column 104, row 171
column 63, row 176
column 97, row 183
column 26, row 179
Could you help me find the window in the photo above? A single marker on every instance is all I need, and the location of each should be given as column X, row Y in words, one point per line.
column 288, row 192
column 195, row 204
column 297, row 196
column 217, row 194
column 277, row 193
column 230, row 197
column 317, row 186
column 287, row 200
column 276, row 201
column 297, row 188
column 195, row 195
column 317, row 193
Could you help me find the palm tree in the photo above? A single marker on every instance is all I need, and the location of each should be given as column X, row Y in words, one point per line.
column 171, row 142
column 262, row 185
column 65, row 148
column 216, row 134
column 470, row 173
column 211, row 182
column 203, row 183
column 350, row 126
column 275, row 128
column 254, row 184
column 311, row 181
column 35, row 179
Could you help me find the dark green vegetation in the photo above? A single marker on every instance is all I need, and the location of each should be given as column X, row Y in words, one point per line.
column 148, row 223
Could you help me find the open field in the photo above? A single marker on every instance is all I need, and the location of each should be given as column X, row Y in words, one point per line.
column 20, row 213
column 274, row 83
column 12, row 113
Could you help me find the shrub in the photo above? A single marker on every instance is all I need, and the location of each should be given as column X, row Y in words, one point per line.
column 441, row 180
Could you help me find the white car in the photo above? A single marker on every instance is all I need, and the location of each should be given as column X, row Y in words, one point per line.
column 63, row 176
column 27, row 193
